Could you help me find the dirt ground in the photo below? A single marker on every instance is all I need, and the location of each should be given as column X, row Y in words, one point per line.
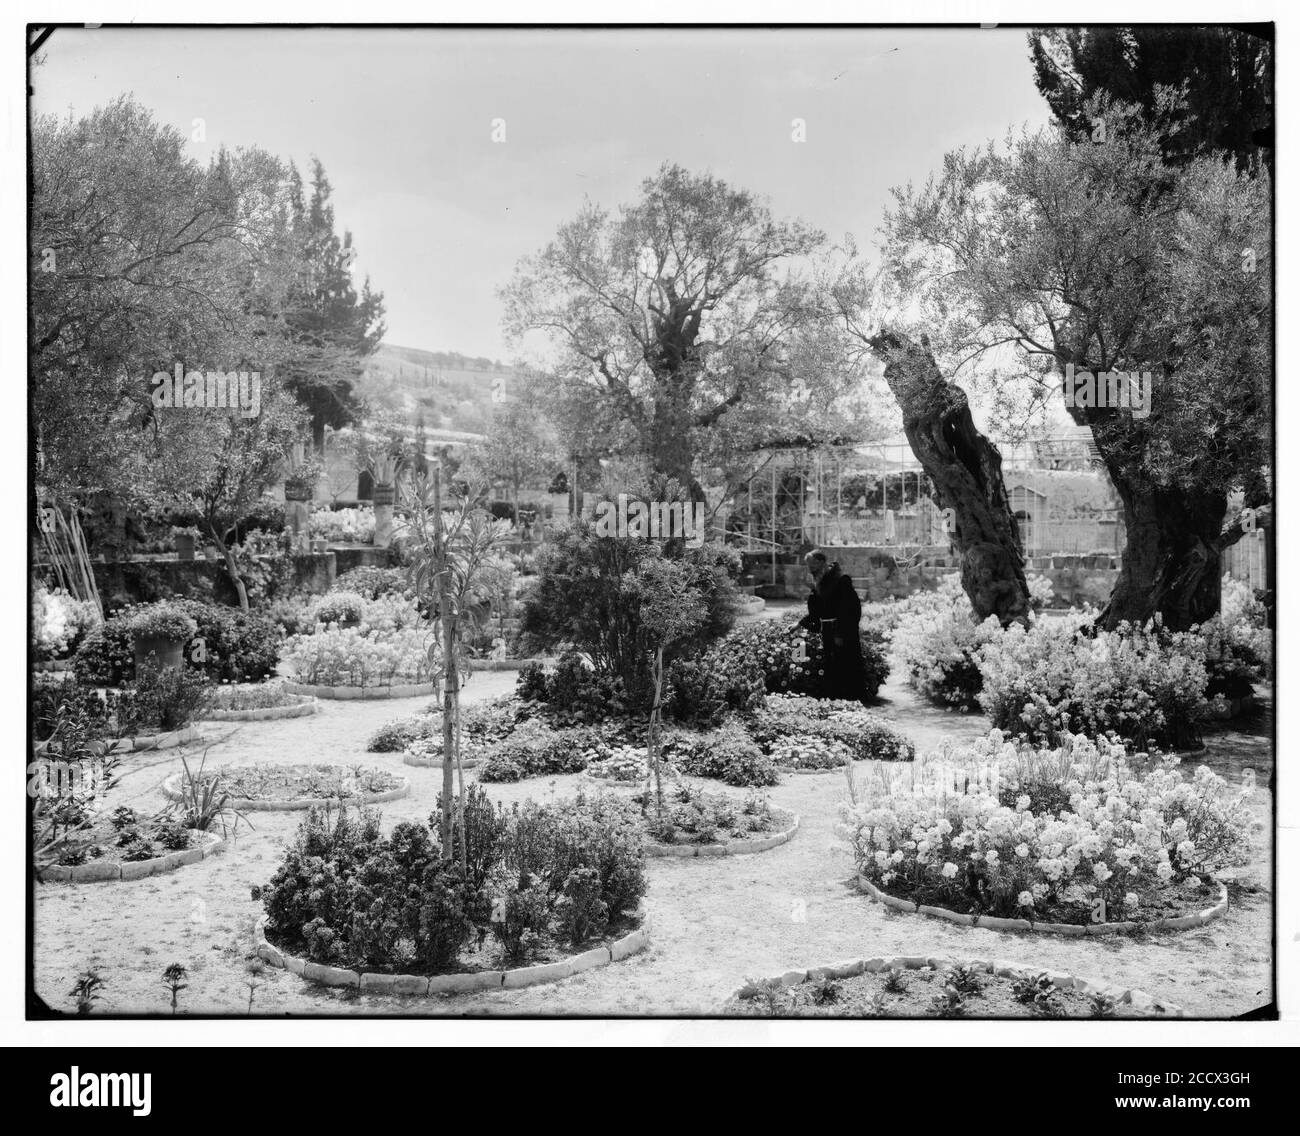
column 715, row 921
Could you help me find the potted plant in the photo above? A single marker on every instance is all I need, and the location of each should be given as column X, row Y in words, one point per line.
column 185, row 538
column 162, row 630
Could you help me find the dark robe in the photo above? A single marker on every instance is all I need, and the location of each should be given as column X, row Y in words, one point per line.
column 835, row 611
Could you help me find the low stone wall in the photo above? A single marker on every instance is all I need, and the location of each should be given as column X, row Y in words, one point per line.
column 994, row 923
column 99, row 871
column 142, row 742
column 427, row 985
column 1138, row 999
column 301, row 707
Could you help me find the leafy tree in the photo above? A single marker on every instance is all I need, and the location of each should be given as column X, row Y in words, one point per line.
column 1046, row 254
column 1225, row 74
column 686, row 328
column 519, row 448
column 332, row 327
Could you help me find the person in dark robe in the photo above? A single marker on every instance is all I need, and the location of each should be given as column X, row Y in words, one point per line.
column 834, row 612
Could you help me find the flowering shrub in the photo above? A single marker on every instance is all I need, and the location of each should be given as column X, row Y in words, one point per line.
column 1125, row 839
column 1144, row 684
column 255, row 696
column 867, row 736
column 343, row 526
column 697, row 817
column 393, row 737
column 1041, row 591
column 573, row 693
column 162, row 620
column 371, row 582
column 703, row 689
column 339, row 607
column 777, row 644
column 942, row 652
column 624, row 763
column 806, row 751
column 885, row 616
column 1238, row 643
column 59, row 622
column 350, row 657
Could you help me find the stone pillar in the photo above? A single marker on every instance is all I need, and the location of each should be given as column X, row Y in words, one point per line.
column 297, row 513
column 385, row 494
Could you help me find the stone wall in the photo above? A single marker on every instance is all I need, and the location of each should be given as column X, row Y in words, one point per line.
column 151, row 578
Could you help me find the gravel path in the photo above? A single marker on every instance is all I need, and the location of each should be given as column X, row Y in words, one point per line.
column 715, row 921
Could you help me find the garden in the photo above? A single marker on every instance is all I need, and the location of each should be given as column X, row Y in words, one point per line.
column 344, row 707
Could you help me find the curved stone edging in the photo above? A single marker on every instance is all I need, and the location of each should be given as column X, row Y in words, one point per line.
column 427, row 985
column 436, row 762
column 302, row 706
column 1139, row 999
column 994, row 923
column 97, row 871
column 171, row 790
column 169, row 740
column 365, row 693
column 731, row 848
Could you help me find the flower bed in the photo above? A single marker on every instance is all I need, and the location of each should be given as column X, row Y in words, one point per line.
column 808, row 732
column 104, row 868
column 696, row 823
column 536, row 883
column 258, row 702
column 266, row 786
column 1070, row 836
column 914, row 986
column 426, row 985
column 360, row 657
column 363, row 693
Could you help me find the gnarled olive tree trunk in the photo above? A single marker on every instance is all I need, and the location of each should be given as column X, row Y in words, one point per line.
column 966, row 470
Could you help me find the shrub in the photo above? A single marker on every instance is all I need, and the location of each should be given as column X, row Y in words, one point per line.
column 830, row 722
column 587, row 597
column 703, row 689
column 106, row 656
column 727, row 754
column 59, row 623
column 294, row 615
column 161, row 699
column 346, row 894
column 394, row 737
column 335, row 607
column 350, row 657
column 343, row 526
column 371, row 582
column 533, row 684
column 1124, row 839
column 1143, row 684
column 163, row 620
column 775, row 646
column 942, row 654
column 62, row 706
column 534, row 750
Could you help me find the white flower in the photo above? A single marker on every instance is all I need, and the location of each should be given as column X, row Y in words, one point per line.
column 1025, row 899
column 949, row 871
column 1101, row 872
column 1131, row 899
column 1022, row 850
column 991, row 856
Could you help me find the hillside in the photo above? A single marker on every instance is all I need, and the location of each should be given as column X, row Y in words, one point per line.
column 454, row 390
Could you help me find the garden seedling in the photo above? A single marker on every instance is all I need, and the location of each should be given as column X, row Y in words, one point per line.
column 86, row 991
column 895, row 983
column 174, row 977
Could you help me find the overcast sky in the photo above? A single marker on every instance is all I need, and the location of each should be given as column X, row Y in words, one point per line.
column 402, row 120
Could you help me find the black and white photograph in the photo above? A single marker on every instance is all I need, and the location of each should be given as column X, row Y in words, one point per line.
column 754, row 525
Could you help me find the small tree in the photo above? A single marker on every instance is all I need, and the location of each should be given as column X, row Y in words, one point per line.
column 174, row 978
column 671, row 612
column 453, row 562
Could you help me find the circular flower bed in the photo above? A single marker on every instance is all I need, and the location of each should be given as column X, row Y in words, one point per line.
column 266, row 786
column 125, row 846
column 258, row 702
column 913, row 986
column 696, row 823
column 1064, row 837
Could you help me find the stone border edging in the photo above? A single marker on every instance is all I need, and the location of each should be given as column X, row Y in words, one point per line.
column 365, row 693
column 302, row 706
column 172, row 792
column 428, row 985
column 994, row 923
column 97, row 871
column 1000, row 968
column 731, row 848
column 436, row 762
column 141, row 742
